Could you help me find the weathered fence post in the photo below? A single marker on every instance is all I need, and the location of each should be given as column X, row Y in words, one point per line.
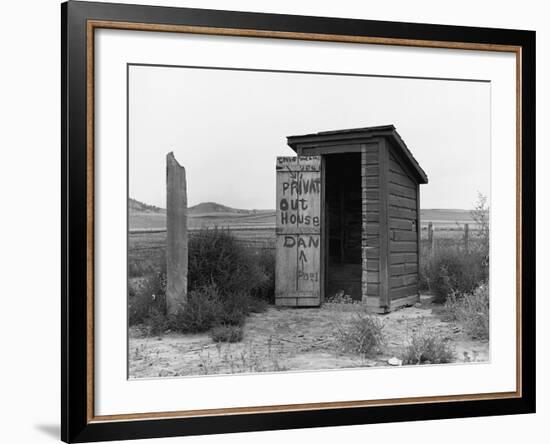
column 466, row 238
column 176, row 235
column 431, row 237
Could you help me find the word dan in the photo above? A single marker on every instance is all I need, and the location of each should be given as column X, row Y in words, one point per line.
column 301, row 241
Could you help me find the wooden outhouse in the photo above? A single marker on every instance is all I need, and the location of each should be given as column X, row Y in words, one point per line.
column 348, row 209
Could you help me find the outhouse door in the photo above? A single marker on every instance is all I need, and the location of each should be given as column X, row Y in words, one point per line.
column 298, row 267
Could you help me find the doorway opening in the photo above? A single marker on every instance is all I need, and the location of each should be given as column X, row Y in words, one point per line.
column 343, row 225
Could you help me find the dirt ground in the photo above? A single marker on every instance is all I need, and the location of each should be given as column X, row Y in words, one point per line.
column 282, row 339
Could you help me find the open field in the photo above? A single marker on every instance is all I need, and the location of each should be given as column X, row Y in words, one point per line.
column 293, row 340
column 211, row 214
column 146, row 248
column 256, row 229
column 141, row 221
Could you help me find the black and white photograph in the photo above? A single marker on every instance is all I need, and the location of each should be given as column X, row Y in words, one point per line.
column 232, row 221
column 283, row 221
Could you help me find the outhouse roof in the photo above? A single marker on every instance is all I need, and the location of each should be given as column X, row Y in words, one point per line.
column 347, row 136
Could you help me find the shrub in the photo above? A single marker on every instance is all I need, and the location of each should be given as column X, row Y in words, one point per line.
column 201, row 312
column 244, row 302
column 232, row 314
column 157, row 322
column 140, row 267
column 227, row 333
column 147, row 299
column 265, row 259
column 363, row 335
column 227, row 282
column 237, row 306
column 480, row 214
column 257, row 305
column 471, row 311
column 216, row 258
column 450, row 270
column 427, row 347
column 208, row 307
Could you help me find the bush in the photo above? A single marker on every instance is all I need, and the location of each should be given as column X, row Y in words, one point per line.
column 227, row 333
column 203, row 310
column 209, row 307
column 471, row 311
column 157, row 322
column 140, row 267
column 480, row 214
column 363, row 335
column 226, row 281
column 243, row 302
column 427, row 347
column 147, row 299
column 265, row 258
column 216, row 258
column 450, row 270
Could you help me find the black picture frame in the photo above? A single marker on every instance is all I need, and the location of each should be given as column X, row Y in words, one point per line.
column 76, row 326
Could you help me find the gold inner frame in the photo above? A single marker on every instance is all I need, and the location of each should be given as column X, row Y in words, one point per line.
column 92, row 25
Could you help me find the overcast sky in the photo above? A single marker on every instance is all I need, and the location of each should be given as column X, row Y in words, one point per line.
column 227, row 127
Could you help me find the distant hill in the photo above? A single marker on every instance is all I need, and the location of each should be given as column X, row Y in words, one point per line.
column 202, row 208
column 144, row 216
column 213, row 207
column 140, row 207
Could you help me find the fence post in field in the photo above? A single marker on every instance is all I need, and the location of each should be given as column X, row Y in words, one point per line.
column 176, row 235
column 431, row 237
column 466, row 238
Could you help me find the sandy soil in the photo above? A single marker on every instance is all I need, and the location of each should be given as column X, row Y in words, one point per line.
column 291, row 339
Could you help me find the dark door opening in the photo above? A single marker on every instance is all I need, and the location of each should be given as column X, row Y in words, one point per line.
column 343, row 227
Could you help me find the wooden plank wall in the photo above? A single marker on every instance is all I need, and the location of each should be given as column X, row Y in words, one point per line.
column 370, row 189
column 403, row 231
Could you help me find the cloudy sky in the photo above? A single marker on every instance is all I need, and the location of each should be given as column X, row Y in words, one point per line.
column 227, row 127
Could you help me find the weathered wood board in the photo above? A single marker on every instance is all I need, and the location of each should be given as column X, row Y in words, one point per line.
column 298, row 231
column 403, row 241
column 176, row 235
column 370, row 177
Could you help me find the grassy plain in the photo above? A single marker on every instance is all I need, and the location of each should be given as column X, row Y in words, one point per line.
column 254, row 228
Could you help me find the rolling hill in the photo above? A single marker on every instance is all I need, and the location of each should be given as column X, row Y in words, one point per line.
column 144, row 216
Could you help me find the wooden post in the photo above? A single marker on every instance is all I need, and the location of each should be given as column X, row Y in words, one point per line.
column 431, row 238
column 176, row 235
column 467, row 238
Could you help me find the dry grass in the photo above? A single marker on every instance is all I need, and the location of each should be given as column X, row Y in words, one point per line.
column 471, row 311
column 291, row 340
column 363, row 335
column 428, row 346
column 227, row 333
